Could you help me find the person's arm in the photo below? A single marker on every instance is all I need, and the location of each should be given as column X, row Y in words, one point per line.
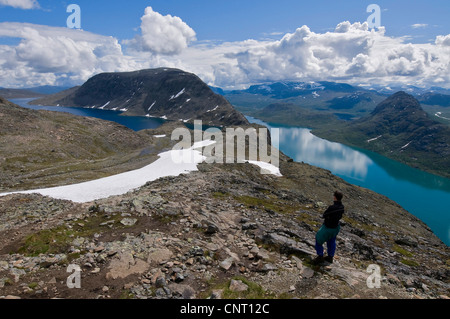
column 327, row 212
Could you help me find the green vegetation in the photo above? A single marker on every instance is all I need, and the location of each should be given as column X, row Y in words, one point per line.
column 270, row 203
column 409, row 262
column 402, row 251
column 58, row 240
column 33, row 285
column 254, row 290
column 126, row 294
column 220, row 195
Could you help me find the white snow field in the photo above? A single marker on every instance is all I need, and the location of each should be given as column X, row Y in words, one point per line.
column 122, row 183
column 170, row 163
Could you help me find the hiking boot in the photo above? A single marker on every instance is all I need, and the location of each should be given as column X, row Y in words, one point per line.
column 318, row 260
column 329, row 259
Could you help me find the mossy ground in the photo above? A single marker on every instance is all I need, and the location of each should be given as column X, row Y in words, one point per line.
column 58, row 239
column 254, row 291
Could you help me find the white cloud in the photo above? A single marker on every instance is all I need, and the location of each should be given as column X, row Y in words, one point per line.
column 53, row 55
column 350, row 53
column 419, row 25
column 163, row 34
column 21, row 4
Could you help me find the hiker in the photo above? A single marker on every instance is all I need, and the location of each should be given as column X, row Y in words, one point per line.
column 329, row 230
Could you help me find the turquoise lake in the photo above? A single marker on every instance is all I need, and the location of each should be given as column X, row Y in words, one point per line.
column 422, row 194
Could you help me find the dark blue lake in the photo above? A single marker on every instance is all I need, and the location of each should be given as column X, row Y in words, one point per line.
column 135, row 123
column 422, row 194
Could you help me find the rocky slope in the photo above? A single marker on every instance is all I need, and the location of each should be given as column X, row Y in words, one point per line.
column 226, row 231
column 42, row 148
column 400, row 129
column 167, row 93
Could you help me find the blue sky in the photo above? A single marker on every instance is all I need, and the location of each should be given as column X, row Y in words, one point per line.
column 214, row 40
column 234, row 20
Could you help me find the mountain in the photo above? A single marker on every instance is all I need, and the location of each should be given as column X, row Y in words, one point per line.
column 435, row 99
column 19, row 93
column 291, row 114
column 400, row 129
column 335, row 100
column 48, row 89
column 166, row 93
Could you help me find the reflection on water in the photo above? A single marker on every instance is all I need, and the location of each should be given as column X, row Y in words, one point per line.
column 422, row 194
column 340, row 159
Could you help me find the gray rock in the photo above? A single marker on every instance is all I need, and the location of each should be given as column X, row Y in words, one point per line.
column 262, row 254
column 179, row 277
column 211, row 229
column 160, row 292
column 298, row 263
column 216, row 294
column 406, row 241
column 128, row 221
column 238, row 286
column 227, row 263
column 196, row 251
column 4, row 265
column 269, row 267
column 249, row 226
column 307, row 272
column 17, row 273
column 160, row 282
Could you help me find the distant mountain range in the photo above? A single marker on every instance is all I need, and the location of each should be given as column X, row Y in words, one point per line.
column 400, row 129
column 340, row 101
column 164, row 93
column 30, row 92
column 332, row 100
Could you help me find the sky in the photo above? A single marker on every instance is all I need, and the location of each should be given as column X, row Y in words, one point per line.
column 230, row 44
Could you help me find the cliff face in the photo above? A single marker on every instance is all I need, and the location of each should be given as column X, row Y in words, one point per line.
column 167, row 93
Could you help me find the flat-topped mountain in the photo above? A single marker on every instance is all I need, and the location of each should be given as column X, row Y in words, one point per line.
column 165, row 93
column 400, row 129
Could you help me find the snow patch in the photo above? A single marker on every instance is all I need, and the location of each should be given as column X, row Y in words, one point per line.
column 151, row 106
column 213, row 109
column 178, row 94
column 103, row 107
column 374, row 139
column 438, row 114
column 405, row 146
column 122, row 183
column 267, row 167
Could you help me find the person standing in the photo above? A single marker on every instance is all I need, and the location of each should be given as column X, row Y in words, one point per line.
column 329, row 230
